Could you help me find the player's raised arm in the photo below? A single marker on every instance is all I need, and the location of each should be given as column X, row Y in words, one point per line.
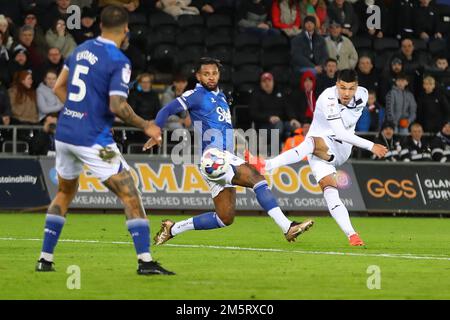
column 60, row 88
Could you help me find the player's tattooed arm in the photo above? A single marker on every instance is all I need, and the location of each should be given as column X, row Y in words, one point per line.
column 120, row 107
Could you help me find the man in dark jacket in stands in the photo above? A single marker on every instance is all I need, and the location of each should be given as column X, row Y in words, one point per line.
column 268, row 106
column 327, row 78
column 387, row 138
column 440, row 145
column 55, row 61
column 343, row 12
column 415, row 147
column 308, row 49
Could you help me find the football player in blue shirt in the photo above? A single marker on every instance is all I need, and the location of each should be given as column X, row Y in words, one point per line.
column 94, row 87
column 210, row 113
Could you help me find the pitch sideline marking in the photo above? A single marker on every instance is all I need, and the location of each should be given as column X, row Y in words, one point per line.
column 333, row 253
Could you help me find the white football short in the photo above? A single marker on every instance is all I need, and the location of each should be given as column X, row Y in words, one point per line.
column 340, row 151
column 71, row 158
column 216, row 186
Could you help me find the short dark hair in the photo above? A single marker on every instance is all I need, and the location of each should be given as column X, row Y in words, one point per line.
column 347, row 75
column 208, row 60
column 113, row 17
column 330, row 60
column 401, row 76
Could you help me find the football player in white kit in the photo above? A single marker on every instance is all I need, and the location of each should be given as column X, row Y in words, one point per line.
column 329, row 143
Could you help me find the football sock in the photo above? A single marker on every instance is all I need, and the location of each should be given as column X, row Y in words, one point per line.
column 140, row 232
column 291, row 156
column 338, row 210
column 182, row 226
column 268, row 202
column 53, row 227
column 207, row 221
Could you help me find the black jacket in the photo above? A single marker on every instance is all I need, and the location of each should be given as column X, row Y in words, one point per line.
column 346, row 16
column 413, row 152
column 5, row 104
column 324, row 82
column 301, row 54
column 393, row 145
column 440, row 148
column 369, row 81
column 426, row 19
column 432, row 110
column 145, row 104
column 262, row 106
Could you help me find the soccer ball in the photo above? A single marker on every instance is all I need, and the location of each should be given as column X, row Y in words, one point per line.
column 214, row 164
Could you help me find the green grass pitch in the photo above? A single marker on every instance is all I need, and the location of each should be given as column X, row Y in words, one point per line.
column 412, row 254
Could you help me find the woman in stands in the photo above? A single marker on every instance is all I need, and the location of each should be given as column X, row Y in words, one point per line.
column 286, row 16
column 23, row 99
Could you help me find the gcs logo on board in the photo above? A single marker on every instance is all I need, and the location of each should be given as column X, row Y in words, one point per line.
column 392, row 188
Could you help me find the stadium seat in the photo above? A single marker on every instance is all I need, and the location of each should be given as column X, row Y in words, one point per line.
column 281, row 75
column 138, row 34
column 247, row 74
column 437, row 46
column 247, row 42
column 225, row 73
column 222, row 53
column 244, row 58
column 190, row 37
column 420, row 45
column 228, row 89
column 137, row 18
column 188, row 69
column 218, row 21
column 362, row 43
column 241, row 117
column 243, row 92
column 159, row 19
column 214, row 39
column 381, row 62
column 163, row 57
column 385, row 44
column 187, row 21
column 274, row 42
column 164, row 35
column 190, row 54
column 275, row 58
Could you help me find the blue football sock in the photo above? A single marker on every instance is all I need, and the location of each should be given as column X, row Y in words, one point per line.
column 206, row 221
column 140, row 232
column 53, row 227
column 265, row 197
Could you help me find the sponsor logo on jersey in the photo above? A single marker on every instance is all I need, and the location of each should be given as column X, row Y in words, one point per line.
column 74, row 114
column 224, row 115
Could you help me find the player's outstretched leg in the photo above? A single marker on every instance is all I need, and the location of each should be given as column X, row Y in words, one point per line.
column 338, row 210
column 247, row 176
column 224, row 204
column 54, row 222
column 122, row 184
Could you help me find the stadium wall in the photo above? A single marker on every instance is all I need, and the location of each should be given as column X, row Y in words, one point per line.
column 365, row 187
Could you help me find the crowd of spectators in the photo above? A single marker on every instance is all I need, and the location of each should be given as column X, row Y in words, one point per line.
column 301, row 45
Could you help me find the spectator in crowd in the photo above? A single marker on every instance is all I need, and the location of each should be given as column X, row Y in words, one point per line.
column 308, row 49
column 89, row 28
column 328, row 78
column 47, row 101
column 172, row 92
column 44, row 141
column 440, row 145
column 130, row 5
column 404, row 18
column 59, row 37
column 91, row 4
column 388, row 78
column 31, row 20
column 432, row 106
column 5, row 30
column 367, row 75
column 341, row 48
column 317, row 9
column 415, row 147
column 343, row 12
column 387, row 25
column 58, row 10
column 387, row 138
column 23, row 99
column 401, row 105
column 253, row 18
column 144, row 100
column 286, row 16
column 54, row 61
column 216, row 6
column 302, row 103
column 36, row 54
column 440, row 64
column 177, row 8
column 412, row 61
column 372, row 116
column 11, row 10
column 5, row 107
column 268, row 105
column 426, row 21
column 19, row 62
column 4, row 57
